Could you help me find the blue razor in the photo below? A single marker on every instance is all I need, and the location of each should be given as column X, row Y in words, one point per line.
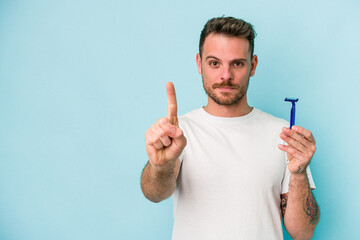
column 292, row 114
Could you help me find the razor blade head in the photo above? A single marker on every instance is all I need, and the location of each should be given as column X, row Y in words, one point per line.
column 291, row 99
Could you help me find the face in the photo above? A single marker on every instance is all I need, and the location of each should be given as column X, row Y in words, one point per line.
column 226, row 67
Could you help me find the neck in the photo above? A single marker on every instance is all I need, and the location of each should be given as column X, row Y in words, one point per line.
column 239, row 109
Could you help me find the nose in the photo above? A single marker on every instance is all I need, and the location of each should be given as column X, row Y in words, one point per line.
column 226, row 74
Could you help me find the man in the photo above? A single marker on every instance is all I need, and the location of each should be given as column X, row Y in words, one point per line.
column 238, row 169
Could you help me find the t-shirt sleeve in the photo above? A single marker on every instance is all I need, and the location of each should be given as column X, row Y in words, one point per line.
column 182, row 156
column 182, row 126
column 286, row 178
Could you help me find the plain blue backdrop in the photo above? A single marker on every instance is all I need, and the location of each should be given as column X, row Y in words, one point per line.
column 81, row 81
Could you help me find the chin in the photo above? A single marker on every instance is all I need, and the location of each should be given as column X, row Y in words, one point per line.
column 230, row 101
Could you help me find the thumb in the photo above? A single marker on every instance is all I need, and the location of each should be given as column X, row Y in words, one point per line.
column 177, row 136
column 174, row 132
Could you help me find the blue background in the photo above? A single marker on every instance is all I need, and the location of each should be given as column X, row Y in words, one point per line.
column 81, row 81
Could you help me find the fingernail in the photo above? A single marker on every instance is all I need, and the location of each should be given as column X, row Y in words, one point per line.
column 286, row 130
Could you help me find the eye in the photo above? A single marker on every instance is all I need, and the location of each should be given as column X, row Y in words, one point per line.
column 238, row 64
column 213, row 64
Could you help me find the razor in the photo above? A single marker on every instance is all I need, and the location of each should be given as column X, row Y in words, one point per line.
column 292, row 113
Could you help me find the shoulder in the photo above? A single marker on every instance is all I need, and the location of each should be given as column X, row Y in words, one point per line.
column 193, row 115
column 269, row 123
column 191, row 121
column 269, row 120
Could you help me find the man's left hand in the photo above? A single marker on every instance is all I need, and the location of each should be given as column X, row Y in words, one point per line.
column 300, row 148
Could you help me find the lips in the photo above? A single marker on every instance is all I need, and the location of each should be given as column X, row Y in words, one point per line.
column 224, row 85
column 226, row 89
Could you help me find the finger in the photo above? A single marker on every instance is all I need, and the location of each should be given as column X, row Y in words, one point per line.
column 171, row 102
column 178, row 140
column 163, row 121
column 292, row 151
column 298, row 137
column 161, row 135
column 175, row 132
column 152, row 139
column 296, row 144
column 171, row 130
column 158, row 145
column 306, row 133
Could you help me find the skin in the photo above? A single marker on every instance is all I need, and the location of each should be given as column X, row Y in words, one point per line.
column 300, row 210
column 164, row 143
column 226, row 67
column 226, row 60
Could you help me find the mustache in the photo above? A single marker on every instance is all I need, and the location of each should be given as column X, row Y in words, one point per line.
column 224, row 84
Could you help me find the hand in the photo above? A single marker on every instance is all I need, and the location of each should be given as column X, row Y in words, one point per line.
column 165, row 140
column 300, row 149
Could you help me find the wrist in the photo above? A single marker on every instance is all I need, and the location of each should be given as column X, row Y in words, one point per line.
column 163, row 170
column 299, row 176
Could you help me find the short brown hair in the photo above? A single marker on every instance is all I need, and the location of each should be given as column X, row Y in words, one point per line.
column 228, row 26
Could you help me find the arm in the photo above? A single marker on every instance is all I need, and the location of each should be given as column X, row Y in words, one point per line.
column 159, row 184
column 164, row 143
column 300, row 210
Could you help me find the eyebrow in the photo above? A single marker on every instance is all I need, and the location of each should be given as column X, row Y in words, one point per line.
column 210, row 56
column 234, row 60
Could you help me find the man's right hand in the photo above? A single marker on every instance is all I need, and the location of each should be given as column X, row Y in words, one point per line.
column 165, row 140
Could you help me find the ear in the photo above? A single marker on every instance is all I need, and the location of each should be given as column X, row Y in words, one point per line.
column 198, row 62
column 254, row 62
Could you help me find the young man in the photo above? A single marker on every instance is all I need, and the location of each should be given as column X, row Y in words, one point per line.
column 238, row 169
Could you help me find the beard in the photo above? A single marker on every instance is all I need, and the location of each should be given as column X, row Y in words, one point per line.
column 226, row 98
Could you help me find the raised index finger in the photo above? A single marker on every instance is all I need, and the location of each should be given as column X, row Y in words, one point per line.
column 172, row 105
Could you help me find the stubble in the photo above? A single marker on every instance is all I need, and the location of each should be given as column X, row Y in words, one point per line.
column 225, row 98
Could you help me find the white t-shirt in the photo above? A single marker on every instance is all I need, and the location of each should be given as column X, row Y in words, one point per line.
column 231, row 177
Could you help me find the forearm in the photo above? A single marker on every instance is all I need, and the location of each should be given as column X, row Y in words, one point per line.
column 302, row 212
column 158, row 184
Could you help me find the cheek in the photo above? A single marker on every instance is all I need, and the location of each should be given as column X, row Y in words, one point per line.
column 210, row 74
column 208, row 79
column 243, row 73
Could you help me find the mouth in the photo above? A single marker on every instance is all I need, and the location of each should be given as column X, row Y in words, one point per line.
column 226, row 89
